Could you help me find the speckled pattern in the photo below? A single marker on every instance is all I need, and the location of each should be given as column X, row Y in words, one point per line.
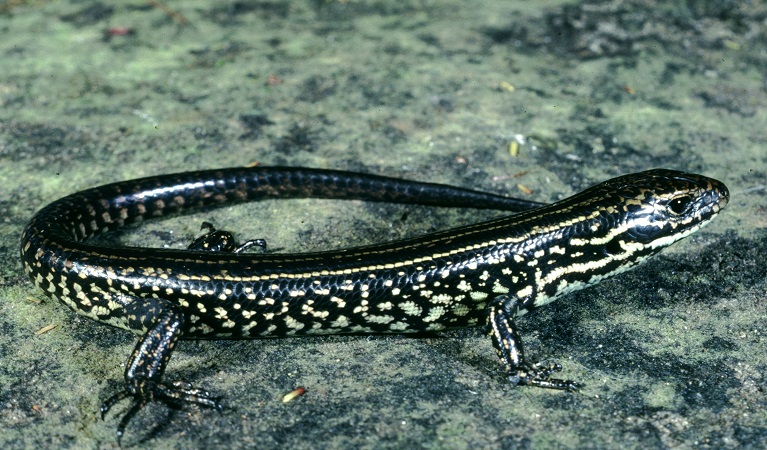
column 487, row 273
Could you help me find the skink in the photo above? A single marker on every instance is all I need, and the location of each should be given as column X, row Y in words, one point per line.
column 482, row 274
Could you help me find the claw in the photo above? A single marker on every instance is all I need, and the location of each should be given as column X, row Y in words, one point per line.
column 146, row 391
column 134, row 409
column 540, row 376
column 113, row 400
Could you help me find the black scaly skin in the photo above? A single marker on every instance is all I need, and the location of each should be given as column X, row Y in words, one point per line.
column 486, row 273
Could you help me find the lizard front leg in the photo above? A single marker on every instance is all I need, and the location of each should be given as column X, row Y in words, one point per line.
column 505, row 334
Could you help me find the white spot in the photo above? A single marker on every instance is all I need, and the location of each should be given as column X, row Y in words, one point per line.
column 293, row 323
column 434, row 314
column 411, row 308
column 525, row 292
column 250, row 325
column 498, row 288
column 460, row 309
column 380, row 319
column 220, row 312
column 442, row 298
column 340, row 322
column 477, row 296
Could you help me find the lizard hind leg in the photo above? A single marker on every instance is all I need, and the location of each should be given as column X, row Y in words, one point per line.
column 222, row 241
column 163, row 322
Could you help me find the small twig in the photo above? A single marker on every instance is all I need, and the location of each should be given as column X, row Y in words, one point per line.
column 45, row 329
column 178, row 17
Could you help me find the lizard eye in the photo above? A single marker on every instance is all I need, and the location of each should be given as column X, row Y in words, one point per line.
column 680, row 204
